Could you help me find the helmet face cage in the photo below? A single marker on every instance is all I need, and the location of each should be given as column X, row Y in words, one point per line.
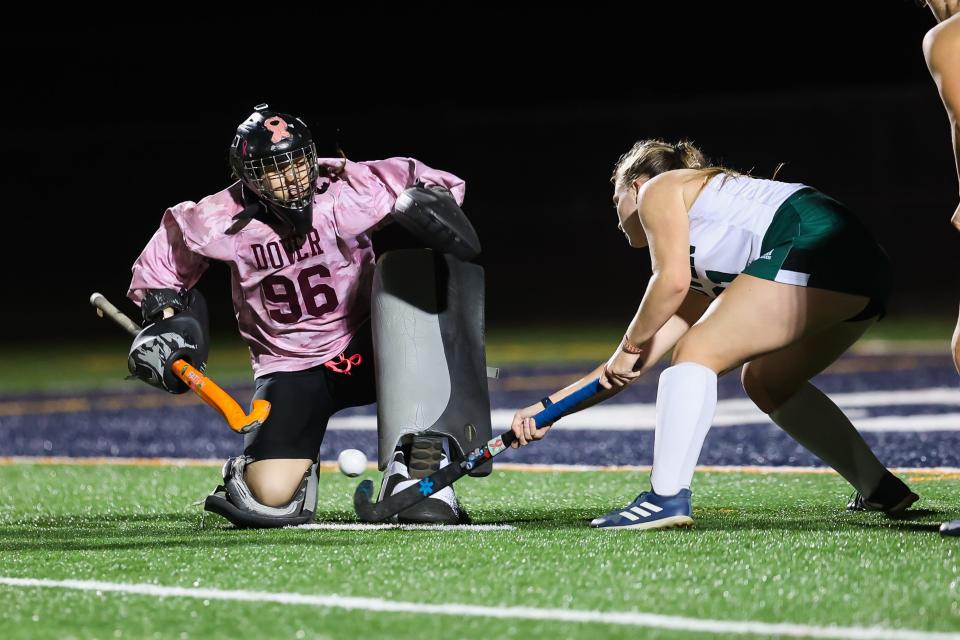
column 286, row 179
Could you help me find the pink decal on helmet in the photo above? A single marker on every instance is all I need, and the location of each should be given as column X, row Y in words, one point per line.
column 278, row 127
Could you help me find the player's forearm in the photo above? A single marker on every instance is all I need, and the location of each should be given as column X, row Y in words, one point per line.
column 665, row 293
column 579, row 384
column 656, row 348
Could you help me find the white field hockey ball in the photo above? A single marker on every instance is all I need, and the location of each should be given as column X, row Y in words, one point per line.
column 352, row 462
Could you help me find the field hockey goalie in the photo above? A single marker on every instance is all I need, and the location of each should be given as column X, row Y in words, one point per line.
column 433, row 405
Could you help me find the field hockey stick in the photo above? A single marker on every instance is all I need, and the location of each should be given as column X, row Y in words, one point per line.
column 369, row 511
column 200, row 384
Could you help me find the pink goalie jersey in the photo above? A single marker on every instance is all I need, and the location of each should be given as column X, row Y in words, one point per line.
column 296, row 307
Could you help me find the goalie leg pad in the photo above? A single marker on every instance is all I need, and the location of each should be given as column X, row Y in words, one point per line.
column 428, row 336
column 234, row 501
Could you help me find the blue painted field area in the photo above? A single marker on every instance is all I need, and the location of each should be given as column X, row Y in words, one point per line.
column 907, row 406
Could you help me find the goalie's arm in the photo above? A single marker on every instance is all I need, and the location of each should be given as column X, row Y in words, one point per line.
column 165, row 269
column 423, row 200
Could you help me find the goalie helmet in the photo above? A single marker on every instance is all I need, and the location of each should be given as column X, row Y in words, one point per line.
column 273, row 154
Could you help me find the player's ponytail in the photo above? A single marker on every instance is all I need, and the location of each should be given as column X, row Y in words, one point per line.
column 649, row 158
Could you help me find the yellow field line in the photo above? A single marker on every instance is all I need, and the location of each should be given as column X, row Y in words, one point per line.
column 109, row 403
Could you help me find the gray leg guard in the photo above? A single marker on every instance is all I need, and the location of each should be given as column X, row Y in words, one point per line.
column 234, row 501
column 428, row 328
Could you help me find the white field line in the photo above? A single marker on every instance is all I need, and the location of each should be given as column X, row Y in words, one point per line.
column 379, row 605
column 739, row 411
column 366, row 526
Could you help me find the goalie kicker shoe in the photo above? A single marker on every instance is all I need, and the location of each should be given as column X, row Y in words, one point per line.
column 426, row 457
column 891, row 496
column 650, row 511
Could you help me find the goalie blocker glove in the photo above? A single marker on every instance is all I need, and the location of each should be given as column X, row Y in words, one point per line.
column 185, row 335
column 434, row 217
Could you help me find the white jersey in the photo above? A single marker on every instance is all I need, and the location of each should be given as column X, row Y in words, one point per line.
column 727, row 223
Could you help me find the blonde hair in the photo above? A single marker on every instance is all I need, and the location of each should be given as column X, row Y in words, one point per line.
column 649, row 158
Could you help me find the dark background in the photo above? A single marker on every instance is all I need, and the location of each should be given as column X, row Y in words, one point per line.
column 104, row 129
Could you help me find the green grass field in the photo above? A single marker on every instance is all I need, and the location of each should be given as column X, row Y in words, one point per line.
column 775, row 548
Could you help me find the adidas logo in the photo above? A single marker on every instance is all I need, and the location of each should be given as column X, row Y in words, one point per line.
column 641, row 511
column 767, row 256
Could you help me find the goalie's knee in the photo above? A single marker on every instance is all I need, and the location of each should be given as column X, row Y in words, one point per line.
column 274, row 482
column 235, row 501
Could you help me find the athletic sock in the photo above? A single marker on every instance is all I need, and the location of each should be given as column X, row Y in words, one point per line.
column 686, row 401
column 817, row 423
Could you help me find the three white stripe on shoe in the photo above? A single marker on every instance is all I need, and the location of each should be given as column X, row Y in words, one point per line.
column 641, row 512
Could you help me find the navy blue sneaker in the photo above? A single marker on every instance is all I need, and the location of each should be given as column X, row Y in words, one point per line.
column 650, row 511
column 950, row 528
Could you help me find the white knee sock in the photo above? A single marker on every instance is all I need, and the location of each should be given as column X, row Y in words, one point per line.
column 686, row 401
column 813, row 420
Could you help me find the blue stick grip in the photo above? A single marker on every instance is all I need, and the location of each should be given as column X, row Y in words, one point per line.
column 562, row 407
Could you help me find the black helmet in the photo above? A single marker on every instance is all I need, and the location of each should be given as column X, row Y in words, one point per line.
column 274, row 156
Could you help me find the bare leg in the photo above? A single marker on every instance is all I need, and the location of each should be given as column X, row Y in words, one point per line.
column 752, row 318
column 955, row 344
column 778, row 384
column 941, row 48
column 274, row 482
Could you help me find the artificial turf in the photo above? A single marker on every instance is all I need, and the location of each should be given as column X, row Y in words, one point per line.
column 765, row 547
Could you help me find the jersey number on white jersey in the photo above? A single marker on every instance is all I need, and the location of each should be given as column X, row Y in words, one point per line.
column 712, row 283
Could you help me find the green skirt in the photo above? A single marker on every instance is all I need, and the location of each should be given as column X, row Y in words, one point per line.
column 814, row 241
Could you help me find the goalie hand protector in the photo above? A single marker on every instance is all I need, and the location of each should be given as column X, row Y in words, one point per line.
column 185, row 335
column 436, row 219
column 156, row 300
